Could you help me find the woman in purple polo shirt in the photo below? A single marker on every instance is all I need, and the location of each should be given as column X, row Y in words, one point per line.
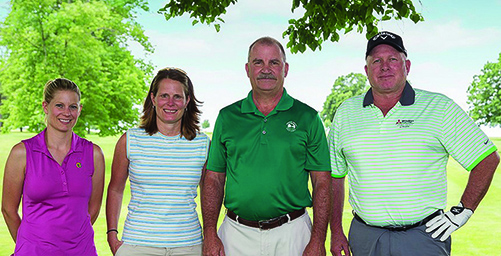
column 60, row 178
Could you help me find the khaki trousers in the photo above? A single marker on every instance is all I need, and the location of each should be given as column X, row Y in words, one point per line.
column 138, row 250
column 290, row 239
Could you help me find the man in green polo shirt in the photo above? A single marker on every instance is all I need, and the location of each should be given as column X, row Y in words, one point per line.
column 264, row 149
column 393, row 143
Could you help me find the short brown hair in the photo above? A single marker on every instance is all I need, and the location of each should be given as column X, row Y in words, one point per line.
column 267, row 41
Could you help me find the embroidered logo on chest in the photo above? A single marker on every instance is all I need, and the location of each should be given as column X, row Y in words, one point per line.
column 291, row 126
column 404, row 123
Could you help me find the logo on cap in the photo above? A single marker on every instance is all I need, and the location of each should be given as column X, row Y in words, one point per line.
column 383, row 35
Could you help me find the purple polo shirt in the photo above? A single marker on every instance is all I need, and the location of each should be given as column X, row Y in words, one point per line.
column 56, row 218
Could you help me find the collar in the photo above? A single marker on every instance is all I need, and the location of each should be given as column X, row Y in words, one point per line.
column 406, row 99
column 285, row 103
column 39, row 144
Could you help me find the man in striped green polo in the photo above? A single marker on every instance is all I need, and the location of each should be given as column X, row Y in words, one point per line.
column 393, row 143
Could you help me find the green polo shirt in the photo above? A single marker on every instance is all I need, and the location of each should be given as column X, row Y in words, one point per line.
column 396, row 164
column 267, row 158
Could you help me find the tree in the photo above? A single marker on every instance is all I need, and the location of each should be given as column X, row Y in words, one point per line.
column 484, row 95
column 205, row 124
column 84, row 41
column 322, row 20
column 344, row 88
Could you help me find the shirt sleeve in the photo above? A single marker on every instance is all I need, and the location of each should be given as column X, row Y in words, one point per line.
column 463, row 139
column 338, row 162
column 217, row 153
column 317, row 149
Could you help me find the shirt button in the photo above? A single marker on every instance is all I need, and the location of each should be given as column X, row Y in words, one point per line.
column 264, row 132
column 265, row 120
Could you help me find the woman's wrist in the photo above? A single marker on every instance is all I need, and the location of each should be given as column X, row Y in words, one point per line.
column 114, row 230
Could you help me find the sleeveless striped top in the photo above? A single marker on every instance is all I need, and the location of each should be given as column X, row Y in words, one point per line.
column 164, row 173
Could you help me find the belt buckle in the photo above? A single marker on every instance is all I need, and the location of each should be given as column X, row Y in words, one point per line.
column 261, row 223
column 397, row 228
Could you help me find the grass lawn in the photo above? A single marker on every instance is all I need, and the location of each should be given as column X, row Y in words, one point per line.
column 480, row 236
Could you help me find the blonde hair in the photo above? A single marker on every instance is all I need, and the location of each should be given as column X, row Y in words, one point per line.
column 59, row 84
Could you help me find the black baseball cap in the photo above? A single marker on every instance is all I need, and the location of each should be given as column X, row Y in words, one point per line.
column 388, row 38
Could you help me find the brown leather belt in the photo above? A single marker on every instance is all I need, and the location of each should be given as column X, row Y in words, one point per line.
column 267, row 224
column 403, row 227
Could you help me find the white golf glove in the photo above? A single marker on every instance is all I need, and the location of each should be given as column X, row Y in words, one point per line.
column 449, row 222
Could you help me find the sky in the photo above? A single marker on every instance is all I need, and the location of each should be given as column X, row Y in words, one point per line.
column 447, row 50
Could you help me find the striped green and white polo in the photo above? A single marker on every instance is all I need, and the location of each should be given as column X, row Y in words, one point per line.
column 396, row 164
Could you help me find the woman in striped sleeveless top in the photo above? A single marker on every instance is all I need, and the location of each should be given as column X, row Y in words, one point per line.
column 164, row 160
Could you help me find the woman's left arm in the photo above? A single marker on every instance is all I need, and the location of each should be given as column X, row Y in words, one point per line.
column 13, row 182
column 96, row 197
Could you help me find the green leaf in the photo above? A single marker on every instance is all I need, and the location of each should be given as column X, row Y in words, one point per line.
column 415, row 17
column 302, row 48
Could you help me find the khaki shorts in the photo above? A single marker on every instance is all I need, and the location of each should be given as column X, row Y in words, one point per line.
column 138, row 250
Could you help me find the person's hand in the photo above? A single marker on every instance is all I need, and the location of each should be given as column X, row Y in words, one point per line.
column 449, row 222
column 212, row 246
column 114, row 242
column 314, row 248
column 339, row 245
